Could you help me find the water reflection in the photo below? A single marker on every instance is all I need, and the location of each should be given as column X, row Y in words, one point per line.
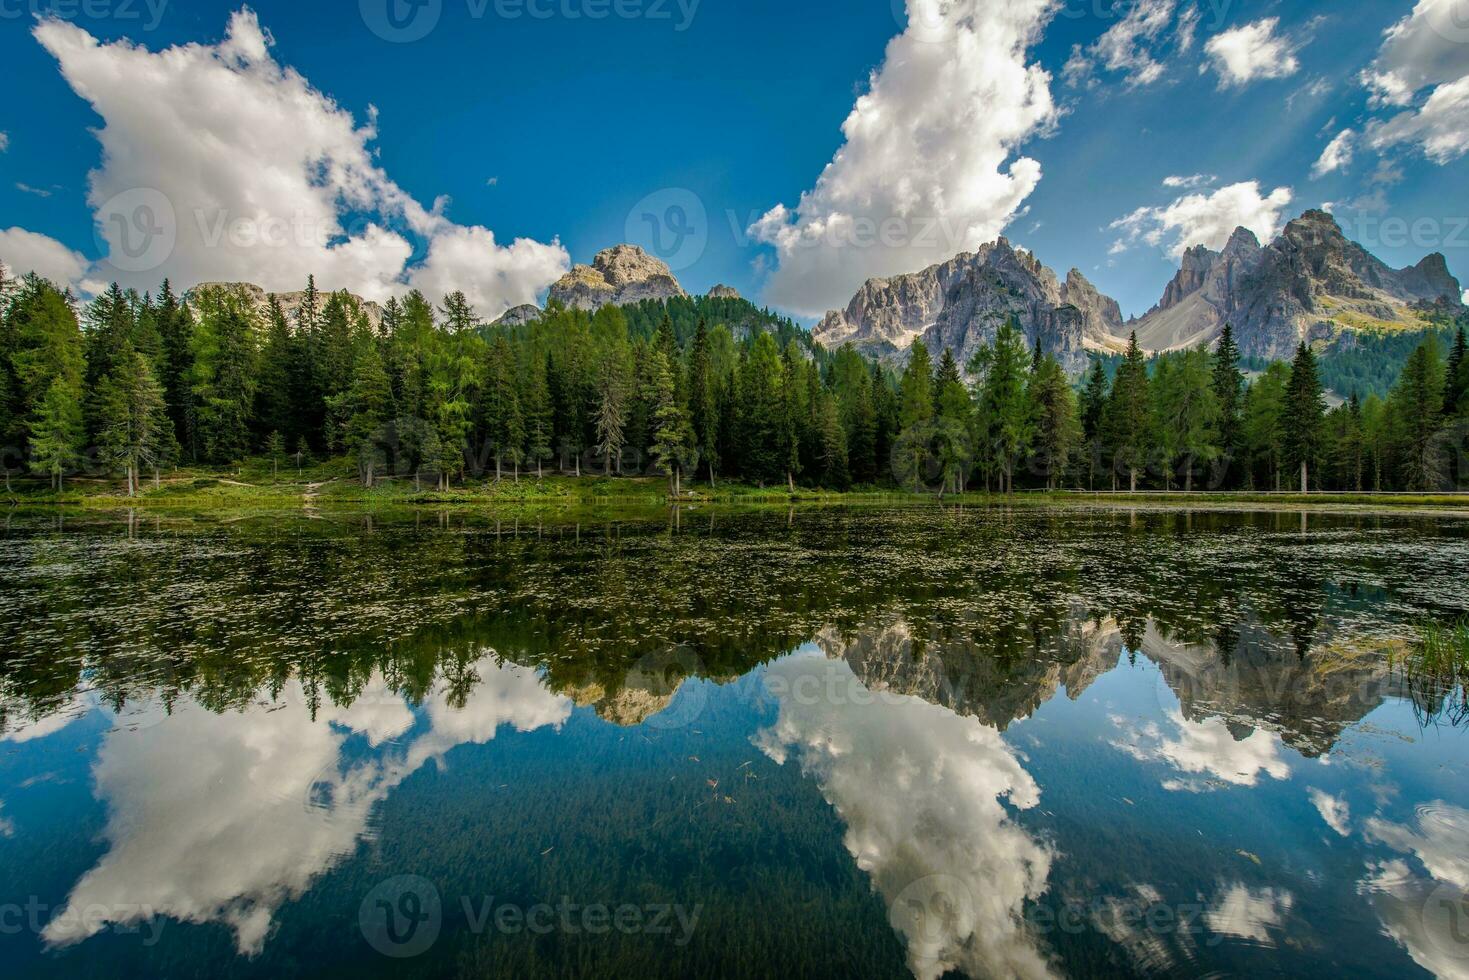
column 997, row 713
column 922, row 792
column 222, row 817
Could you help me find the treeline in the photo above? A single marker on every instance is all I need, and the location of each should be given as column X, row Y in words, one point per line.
column 705, row 389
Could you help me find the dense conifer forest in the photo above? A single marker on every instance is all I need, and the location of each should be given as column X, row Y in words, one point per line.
column 695, row 390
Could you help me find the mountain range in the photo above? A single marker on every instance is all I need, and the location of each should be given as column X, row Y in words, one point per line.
column 1311, row 283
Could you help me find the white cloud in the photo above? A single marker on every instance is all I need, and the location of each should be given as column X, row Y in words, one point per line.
column 1252, row 52
column 222, row 818
column 25, row 188
column 1208, row 219
column 925, row 795
column 1422, row 918
column 1426, row 50
column 1427, row 47
column 1129, row 46
column 1334, row 810
column 1337, row 155
column 4, row 141
column 1206, row 748
column 1190, row 182
column 1441, row 127
column 1249, row 913
column 266, row 177
column 1438, row 843
column 24, row 252
column 926, row 169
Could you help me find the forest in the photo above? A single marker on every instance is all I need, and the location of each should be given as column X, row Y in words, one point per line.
column 703, row 390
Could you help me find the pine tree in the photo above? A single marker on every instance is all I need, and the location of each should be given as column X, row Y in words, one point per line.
column 1056, row 423
column 132, row 416
column 503, row 421
column 1305, row 413
column 704, row 400
column 365, row 409
column 273, row 384
column 1416, row 407
column 1262, row 429
column 1093, row 416
column 1005, row 403
column 224, row 373
column 1128, row 413
column 1456, row 378
column 56, row 432
column 1186, row 414
column 1229, row 387
column 458, row 315
column 673, row 436
column 539, row 414
column 614, row 382
column 46, row 347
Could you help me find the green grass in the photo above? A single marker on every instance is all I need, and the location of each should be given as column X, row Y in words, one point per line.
column 1442, row 650
column 256, row 484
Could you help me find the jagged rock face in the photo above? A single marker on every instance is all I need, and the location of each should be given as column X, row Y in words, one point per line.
column 1309, row 284
column 960, row 305
column 618, row 276
column 518, row 316
column 291, row 302
column 724, row 292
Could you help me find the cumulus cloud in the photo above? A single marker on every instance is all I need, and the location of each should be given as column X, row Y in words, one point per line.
column 1427, row 47
column 1207, row 219
column 923, row 794
column 4, row 141
column 1252, row 52
column 1206, row 748
column 1438, row 841
column 218, row 163
column 1249, row 913
column 1337, row 155
column 1428, row 50
column 927, row 167
column 1423, row 917
column 1334, row 810
column 223, row 818
column 24, row 252
column 1131, row 46
column 1440, row 127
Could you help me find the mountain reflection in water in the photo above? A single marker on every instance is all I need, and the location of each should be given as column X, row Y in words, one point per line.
column 1024, row 733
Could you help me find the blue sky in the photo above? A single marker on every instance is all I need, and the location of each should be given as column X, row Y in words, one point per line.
column 554, row 129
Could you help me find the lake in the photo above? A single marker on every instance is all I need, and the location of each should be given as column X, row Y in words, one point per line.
column 897, row 742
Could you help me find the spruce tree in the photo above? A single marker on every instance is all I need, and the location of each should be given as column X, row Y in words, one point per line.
column 1093, row 416
column 1229, row 386
column 132, row 416
column 704, row 399
column 1305, row 413
column 1129, row 415
column 1416, row 406
column 56, row 432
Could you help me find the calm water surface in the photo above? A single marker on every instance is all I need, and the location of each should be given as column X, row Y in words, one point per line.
column 821, row 743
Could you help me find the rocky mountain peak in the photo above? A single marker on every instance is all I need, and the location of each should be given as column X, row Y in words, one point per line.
column 724, row 292
column 959, row 305
column 618, row 276
column 1309, row 284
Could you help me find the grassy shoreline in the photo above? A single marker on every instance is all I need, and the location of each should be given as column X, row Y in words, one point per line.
column 334, row 484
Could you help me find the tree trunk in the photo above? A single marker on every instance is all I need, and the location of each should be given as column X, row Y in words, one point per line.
column 498, row 471
column 1305, row 478
column 791, row 482
column 712, row 487
column 1132, row 478
column 1188, row 477
column 578, row 466
column 540, row 474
